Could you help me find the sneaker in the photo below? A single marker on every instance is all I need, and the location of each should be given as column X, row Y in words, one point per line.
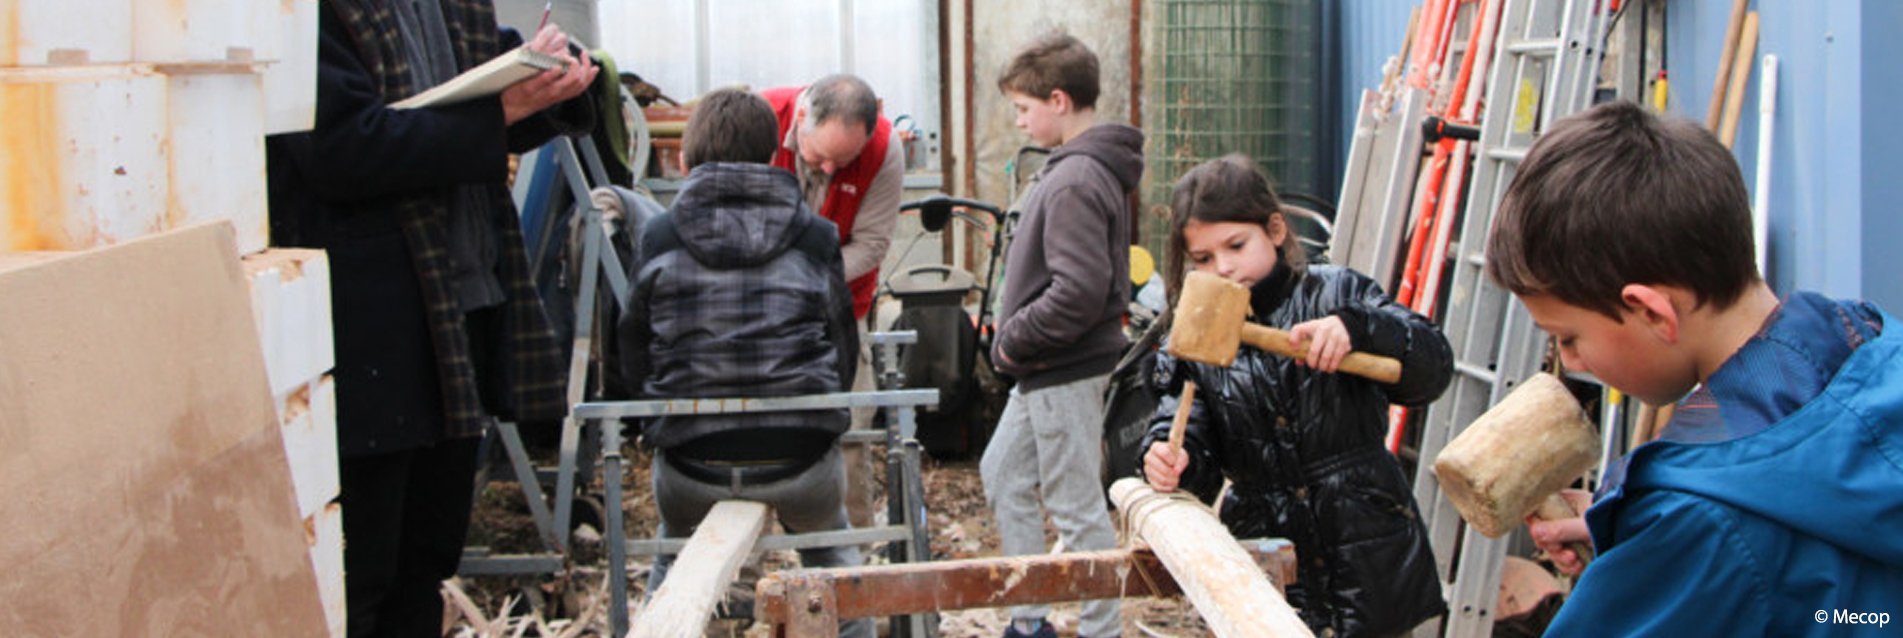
column 1044, row 630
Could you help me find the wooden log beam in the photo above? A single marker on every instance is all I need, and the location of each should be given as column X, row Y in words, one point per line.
column 788, row 598
column 1233, row 595
column 685, row 601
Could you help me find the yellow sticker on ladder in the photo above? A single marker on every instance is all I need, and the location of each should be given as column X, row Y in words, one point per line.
column 1526, row 105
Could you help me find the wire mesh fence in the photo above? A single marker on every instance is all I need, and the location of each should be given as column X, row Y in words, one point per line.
column 1237, row 76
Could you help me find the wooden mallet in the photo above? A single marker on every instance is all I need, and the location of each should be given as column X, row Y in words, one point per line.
column 1212, row 323
column 1513, row 460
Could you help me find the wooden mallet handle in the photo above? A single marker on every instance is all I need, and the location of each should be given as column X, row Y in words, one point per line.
column 1362, row 364
column 1556, row 508
column 1182, row 416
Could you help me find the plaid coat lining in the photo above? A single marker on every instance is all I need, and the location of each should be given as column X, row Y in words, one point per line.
column 538, row 378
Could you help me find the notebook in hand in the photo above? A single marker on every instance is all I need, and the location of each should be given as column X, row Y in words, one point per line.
column 490, row 78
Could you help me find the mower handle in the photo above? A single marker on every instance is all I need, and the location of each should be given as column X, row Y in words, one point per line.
column 937, row 210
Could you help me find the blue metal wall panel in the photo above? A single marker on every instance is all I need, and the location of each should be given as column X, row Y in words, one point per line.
column 1371, row 32
column 1819, row 170
column 1883, row 171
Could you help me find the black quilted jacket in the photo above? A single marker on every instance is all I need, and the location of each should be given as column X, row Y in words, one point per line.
column 739, row 291
column 1305, row 451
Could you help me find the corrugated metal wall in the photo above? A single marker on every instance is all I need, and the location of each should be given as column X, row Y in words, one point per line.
column 1241, row 76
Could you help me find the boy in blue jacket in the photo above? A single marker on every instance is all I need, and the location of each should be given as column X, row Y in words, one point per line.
column 1772, row 503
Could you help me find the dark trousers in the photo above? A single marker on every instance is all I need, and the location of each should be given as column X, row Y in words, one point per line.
column 405, row 518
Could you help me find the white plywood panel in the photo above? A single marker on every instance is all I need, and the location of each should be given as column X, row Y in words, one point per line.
column 290, row 298
column 83, row 156
column 196, row 30
column 216, row 129
column 40, row 32
column 290, row 77
column 309, row 415
column 326, row 531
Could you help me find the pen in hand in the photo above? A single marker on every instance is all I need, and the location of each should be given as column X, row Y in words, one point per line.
column 546, row 8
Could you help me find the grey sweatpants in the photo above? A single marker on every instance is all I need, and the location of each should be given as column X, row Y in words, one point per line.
column 1048, row 447
column 805, row 502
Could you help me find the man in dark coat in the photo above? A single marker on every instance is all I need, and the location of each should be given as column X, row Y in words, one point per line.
column 437, row 330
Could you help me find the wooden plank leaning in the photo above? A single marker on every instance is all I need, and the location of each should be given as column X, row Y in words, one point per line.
column 685, row 601
column 1229, row 589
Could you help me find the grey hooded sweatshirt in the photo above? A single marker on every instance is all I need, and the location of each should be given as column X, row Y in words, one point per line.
column 1067, row 281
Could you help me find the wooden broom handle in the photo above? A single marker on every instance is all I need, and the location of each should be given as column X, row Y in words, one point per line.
column 1361, row 364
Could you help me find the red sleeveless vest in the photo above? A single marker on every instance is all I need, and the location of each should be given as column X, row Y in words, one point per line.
column 848, row 187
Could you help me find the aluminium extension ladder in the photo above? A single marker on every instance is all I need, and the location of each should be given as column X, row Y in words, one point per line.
column 1549, row 52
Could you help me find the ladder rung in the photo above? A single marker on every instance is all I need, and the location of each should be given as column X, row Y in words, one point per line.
column 1515, row 155
column 1540, row 47
column 1484, row 375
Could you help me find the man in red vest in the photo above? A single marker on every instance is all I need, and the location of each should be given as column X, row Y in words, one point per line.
column 851, row 166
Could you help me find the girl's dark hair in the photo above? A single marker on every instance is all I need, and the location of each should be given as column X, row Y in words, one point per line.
column 1227, row 189
column 730, row 125
column 1616, row 195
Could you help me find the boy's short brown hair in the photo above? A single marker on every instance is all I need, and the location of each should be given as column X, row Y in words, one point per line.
column 730, row 125
column 1053, row 61
column 1616, row 195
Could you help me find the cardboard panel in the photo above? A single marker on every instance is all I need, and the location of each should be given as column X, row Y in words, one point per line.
column 148, row 489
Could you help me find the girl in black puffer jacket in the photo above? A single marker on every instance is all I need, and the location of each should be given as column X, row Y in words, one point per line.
column 1302, row 445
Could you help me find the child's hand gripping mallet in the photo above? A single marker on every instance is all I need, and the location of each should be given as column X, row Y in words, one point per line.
column 1211, row 324
column 1513, row 460
column 1164, row 463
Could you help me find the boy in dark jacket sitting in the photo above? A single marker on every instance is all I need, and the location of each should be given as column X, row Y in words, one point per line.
column 739, row 290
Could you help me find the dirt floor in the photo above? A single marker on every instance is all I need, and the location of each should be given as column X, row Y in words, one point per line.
column 574, row 604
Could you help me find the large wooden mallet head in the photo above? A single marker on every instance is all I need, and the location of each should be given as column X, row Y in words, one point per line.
column 1211, row 323
column 1511, row 460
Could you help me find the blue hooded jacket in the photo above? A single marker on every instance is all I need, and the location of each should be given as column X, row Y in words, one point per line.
column 1773, row 504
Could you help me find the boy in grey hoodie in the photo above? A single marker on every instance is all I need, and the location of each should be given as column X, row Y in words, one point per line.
column 1060, row 329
